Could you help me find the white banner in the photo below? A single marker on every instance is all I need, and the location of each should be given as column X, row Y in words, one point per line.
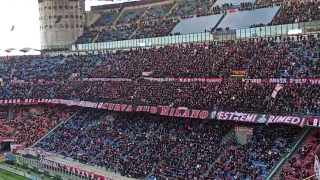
column 276, row 90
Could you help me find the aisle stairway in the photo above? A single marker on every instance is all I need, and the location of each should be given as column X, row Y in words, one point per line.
column 10, row 112
column 144, row 13
column 226, row 142
column 55, row 128
column 299, row 143
column 96, row 38
column 119, row 16
column 172, row 8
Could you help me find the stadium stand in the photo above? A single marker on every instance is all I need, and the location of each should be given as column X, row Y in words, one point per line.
column 5, row 71
column 35, row 121
column 120, row 33
column 157, row 12
column 88, row 36
column 192, row 60
column 107, row 19
column 296, row 11
column 3, row 112
column 6, row 127
column 254, row 159
column 130, row 16
column 144, row 146
column 155, row 28
column 187, row 9
column 133, row 144
column 226, row 95
column 301, row 165
column 231, row 4
column 242, row 15
column 193, row 154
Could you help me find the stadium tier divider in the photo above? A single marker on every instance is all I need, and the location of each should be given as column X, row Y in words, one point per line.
column 296, row 146
column 56, row 127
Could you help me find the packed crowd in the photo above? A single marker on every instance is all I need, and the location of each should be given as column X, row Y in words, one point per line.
column 34, row 122
column 301, row 166
column 194, row 154
column 259, row 58
column 266, row 58
column 112, row 141
column 157, row 147
column 257, row 156
column 297, row 11
column 134, row 145
column 6, row 127
column 227, row 95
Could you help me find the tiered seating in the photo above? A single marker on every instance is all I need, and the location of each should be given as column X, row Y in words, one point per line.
column 247, row 16
column 5, row 71
column 130, row 16
column 157, row 12
column 120, row 33
column 231, row 4
column 264, row 2
column 139, row 162
column 260, row 59
column 107, row 19
column 134, row 145
column 193, row 154
column 36, row 68
column 254, row 159
column 3, row 112
column 297, row 11
column 6, row 128
column 87, row 36
column 155, row 28
column 301, row 165
column 214, row 61
column 189, row 8
column 34, row 125
column 113, row 137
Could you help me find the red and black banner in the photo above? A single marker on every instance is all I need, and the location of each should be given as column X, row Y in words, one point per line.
column 175, row 112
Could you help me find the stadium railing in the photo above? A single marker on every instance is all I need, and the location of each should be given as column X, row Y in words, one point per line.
column 244, row 33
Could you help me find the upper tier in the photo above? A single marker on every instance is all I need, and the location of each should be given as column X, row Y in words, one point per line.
column 259, row 59
column 185, row 17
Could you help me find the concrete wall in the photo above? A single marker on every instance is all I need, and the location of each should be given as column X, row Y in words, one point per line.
column 70, row 26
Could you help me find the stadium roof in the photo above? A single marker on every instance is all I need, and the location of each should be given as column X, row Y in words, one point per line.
column 17, row 52
column 24, row 50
